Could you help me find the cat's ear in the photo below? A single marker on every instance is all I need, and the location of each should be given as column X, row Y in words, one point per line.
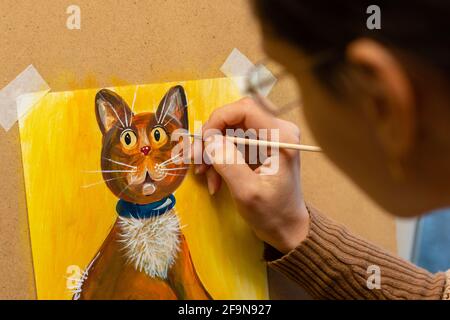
column 111, row 110
column 173, row 106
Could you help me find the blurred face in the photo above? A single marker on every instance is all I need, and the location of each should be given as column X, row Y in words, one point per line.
column 369, row 137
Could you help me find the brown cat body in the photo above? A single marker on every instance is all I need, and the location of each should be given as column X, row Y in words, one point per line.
column 143, row 257
column 111, row 276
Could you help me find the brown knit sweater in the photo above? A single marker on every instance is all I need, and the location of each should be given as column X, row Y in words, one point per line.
column 331, row 263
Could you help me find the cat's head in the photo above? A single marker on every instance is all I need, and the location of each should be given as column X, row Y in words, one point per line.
column 137, row 148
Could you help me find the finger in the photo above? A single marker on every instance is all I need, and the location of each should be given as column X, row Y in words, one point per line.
column 288, row 133
column 290, row 128
column 229, row 163
column 201, row 168
column 214, row 180
column 244, row 113
column 197, row 157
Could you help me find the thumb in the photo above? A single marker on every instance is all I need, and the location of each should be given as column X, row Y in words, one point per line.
column 229, row 162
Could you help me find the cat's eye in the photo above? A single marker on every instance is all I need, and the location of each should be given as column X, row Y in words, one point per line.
column 128, row 139
column 158, row 137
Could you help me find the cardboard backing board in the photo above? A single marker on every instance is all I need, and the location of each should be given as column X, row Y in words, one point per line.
column 127, row 42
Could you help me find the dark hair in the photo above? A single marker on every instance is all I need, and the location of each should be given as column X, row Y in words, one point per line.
column 418, row 27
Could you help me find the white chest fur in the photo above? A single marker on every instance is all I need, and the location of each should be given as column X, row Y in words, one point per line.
column 152, row 244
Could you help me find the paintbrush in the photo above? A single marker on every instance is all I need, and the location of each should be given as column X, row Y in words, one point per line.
column 265, row 143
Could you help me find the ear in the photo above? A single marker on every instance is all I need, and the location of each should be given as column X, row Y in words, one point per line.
column 173, row 106
column 111, row 110
column 391, row 109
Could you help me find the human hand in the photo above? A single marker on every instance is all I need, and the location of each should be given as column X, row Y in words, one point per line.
column 272, row 204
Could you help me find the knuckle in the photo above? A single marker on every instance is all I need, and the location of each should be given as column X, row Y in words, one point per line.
column 247, row 104
column 249, row 195
column 247, row 101
column 293, row 132
column 296, row 138
column 215, row 113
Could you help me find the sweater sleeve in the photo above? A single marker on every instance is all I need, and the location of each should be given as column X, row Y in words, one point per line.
column 331, row 263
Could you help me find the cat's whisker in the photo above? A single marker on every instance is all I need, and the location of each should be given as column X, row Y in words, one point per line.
column 162, row 111
column 108, row 171
column 171, row 159
column 177, row 163
column 174, row 174
column 172, row 98
column 123, row 190
column 165, row 124
column 173, row 169
column 182, row 160
column 126, row 116
column 178, row 122
column 118, row 118
column 118, row 127
column 174, row 161
column 121, row 163
column 132, row 105
column 172, row 104
column 100, row 182
column 166, row 110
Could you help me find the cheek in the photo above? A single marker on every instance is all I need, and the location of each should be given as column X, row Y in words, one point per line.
column 343, row 131
column 323, row 125
column 127, row 152
column 171, row 183
column 336, row 125
column 324, row 116
column 115, row 151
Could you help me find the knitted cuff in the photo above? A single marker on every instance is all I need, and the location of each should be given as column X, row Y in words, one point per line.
column 446, row 295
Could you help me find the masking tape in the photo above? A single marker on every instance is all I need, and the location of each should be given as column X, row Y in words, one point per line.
column 17, row 98
column 237, row 66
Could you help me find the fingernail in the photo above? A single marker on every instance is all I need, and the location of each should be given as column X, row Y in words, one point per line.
column 213, row 144
column 210, row 187
column 210, row 150
column 209, row 139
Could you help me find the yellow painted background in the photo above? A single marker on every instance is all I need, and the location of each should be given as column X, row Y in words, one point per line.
column 60, row 139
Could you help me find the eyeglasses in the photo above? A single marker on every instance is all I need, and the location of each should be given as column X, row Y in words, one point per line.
column 260, row 81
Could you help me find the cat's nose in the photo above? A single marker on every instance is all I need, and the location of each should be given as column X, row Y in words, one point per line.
column 145, row 150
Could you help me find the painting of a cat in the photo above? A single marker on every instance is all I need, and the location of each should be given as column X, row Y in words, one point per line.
column 145, row 255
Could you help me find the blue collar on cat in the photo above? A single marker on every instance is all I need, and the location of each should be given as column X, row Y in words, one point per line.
column 144, row 211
